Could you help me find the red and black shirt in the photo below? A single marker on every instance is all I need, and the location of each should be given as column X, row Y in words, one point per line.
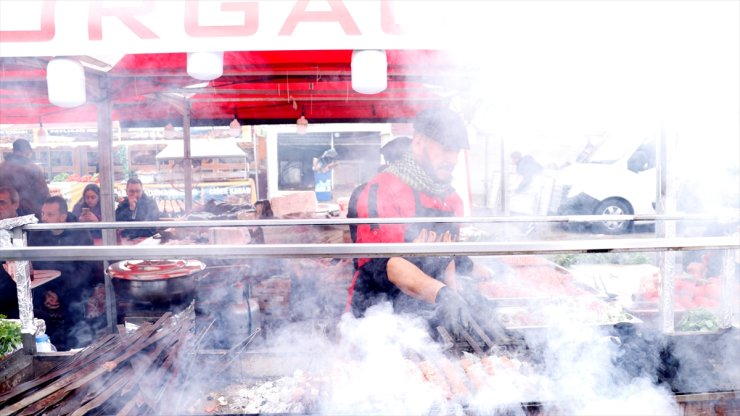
column 386, row 196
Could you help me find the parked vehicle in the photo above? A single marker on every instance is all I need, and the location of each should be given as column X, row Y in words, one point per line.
column 617, row 179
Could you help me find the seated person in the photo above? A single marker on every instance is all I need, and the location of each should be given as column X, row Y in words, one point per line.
column 8, row 294
column 137, row 206
column 61, row 302
column 9, row 202
column 87, row 209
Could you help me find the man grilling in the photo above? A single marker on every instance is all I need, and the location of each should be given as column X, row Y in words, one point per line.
column 417, row 185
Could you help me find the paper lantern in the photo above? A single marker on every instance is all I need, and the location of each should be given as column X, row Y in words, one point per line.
column 169, row 131
column 301, row 125
column 41, row 134
column 235, row 129
column 369, row 71
column 65, row 81
column 205, row 66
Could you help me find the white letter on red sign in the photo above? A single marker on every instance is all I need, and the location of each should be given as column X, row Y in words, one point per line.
column 250, row 26
column 127, row 15
column 47, row 32
column 338, row 13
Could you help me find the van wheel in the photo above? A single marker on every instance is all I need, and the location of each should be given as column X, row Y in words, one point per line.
column 612, row 206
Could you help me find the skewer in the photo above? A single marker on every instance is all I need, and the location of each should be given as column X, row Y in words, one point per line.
column 236, row 351
column 479, row 331
column 473, row 343
column 448, row 341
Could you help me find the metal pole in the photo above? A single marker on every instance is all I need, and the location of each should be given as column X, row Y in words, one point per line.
column 105, row 155
column 255, row 141
column 729, row 306
column 25, row 300
column 486, row 172
column 187, row 164
column 666, row 203
column 504, row 185
column 342, row 250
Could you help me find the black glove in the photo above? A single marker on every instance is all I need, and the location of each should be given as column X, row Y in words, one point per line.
column 453, row 312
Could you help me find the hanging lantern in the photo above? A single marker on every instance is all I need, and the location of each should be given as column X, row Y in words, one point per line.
column 235, row 129
column 369, row 71
column 169, row 131
column 65, row 80
column 41, row 133
column 205, row 66
column 301, row 125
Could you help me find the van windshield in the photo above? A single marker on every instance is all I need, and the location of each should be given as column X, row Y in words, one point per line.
column 615, row 148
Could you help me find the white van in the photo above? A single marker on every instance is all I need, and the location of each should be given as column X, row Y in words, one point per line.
column 617, row 179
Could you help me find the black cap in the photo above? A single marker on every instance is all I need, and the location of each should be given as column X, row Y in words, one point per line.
column 443, row 125
column 329, row 154
column 21, row 145
column 396, row 148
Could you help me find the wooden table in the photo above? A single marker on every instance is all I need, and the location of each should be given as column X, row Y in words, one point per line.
column 41, row 277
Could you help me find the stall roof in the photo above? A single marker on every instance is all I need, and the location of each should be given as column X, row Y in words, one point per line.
column 265, row 87
column 202, row 149
column 281, row 60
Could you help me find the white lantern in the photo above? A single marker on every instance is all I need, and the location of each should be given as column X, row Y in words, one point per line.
column 205, row 66
column 65, row 81
column 235, row 129
column 41, row 134
column 169, row 131
column 301, row 125
column 369, row 71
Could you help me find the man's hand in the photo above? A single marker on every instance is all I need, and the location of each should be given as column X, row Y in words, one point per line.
column 453, row 312
column 132, row 204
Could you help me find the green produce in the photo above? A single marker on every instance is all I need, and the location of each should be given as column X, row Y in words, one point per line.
column 60, row 177
column 10, row 336
column 698, row 320
column 568, row 260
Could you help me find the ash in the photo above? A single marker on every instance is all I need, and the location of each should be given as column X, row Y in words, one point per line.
column 290, row 394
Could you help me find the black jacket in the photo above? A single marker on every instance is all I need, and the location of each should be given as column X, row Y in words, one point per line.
column 146, row 210
column 8, row 294
column 72, row 287
column 74, row 273
column 28, row 180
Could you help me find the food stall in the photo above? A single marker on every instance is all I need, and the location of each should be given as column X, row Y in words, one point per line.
column 292, row 354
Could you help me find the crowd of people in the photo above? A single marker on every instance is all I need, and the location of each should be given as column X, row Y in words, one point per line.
column 72, row 305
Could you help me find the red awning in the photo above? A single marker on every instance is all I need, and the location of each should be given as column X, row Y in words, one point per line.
column 259, row 87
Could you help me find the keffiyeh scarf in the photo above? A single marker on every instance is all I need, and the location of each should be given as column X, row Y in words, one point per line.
column 414, row 176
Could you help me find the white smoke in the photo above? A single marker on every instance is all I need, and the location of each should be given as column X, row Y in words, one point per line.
column 372, row 369
column 580, row 362
column 381, row 381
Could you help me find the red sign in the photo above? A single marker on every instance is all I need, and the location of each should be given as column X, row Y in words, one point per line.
column 57, row 28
